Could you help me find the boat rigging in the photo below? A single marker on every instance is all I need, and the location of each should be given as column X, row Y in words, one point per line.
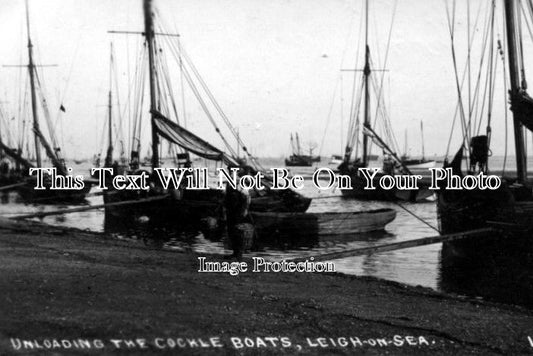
column 366, row 134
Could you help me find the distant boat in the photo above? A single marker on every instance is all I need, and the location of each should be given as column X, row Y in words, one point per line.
column 297, row 159
column 421, row 163
column 326, row 223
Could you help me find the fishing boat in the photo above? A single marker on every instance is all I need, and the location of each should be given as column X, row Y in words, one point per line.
column 505, row 254
column 325, row 223
column 178, row 204
column 512, row 203
column 26, row 188
column 351, row 167
column 297, row 159
column 417, row 163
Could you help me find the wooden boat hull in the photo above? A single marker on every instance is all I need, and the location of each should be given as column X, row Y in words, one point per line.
column 420, row 164
column 464, row 210
column 49, row 196
column 358, row 191
column 327, row 223
column 194, row 205
column 186, row 209
column 497, row 265
column 355, row 222
column 282, row 201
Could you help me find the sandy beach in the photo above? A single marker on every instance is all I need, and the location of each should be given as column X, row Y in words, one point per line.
column 67, row 291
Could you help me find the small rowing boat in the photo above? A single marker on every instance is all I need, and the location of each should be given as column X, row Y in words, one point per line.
column 326, row 223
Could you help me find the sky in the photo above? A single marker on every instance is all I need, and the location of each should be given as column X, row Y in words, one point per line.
column 274, row 66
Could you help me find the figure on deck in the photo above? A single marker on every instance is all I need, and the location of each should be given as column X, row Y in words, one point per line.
column 388, row 165
column 4, row 166
column 237, row 203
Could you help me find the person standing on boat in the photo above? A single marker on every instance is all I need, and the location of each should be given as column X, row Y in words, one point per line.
column 237, row 204
column 388, row 164
column 4, row 166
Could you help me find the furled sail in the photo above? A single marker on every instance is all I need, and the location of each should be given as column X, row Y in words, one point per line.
column 189, row 141
column 523, row 103
column 58, row 163
column 367, row 131
column 15, row 155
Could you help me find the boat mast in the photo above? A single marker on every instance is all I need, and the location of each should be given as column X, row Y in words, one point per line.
column 366, row 73
column 31, row 70
column 149, row 35
column 422, row 136
column 510, row 22
column 109, row 156
column 292, row 144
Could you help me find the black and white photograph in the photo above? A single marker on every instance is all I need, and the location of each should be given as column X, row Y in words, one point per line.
column 252, row 177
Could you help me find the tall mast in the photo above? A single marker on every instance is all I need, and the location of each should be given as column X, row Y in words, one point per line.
column 149, row 34
column 292, row 144
column 514, row 76
column 422, row 137
column 31, row 70
column 109, row 155
column 366, row 73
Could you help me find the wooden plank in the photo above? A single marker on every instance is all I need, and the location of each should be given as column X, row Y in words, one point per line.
column 395, row 246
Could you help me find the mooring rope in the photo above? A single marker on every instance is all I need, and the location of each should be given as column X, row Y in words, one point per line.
column 416, row 216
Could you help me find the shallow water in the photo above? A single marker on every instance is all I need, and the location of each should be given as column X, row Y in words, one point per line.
column 415, row 266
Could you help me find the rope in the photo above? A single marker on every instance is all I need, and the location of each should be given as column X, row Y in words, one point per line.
column 119, row 134
column 352, row 139
column 378, row 89
column 180, row 54
column 394, row 246
column 416, row 216
column 451, row 28
column 328, row 117
column 338, row 84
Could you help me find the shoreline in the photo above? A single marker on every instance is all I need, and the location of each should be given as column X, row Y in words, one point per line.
column 66, row 284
